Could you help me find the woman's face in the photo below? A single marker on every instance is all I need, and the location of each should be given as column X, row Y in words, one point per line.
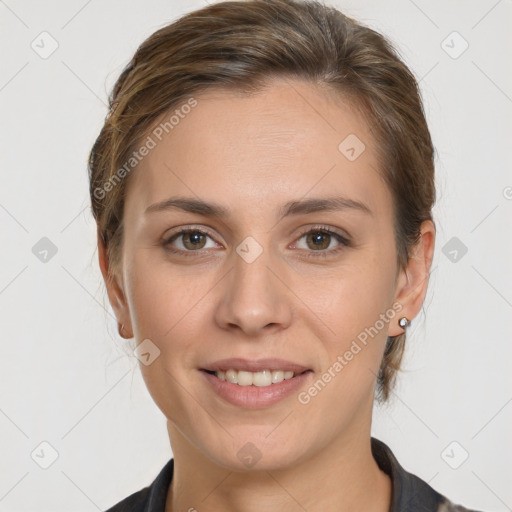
column 262, row 280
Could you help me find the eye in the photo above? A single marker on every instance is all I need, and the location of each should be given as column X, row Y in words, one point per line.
column 189, row 240
column 318, row 242
column 320, row 238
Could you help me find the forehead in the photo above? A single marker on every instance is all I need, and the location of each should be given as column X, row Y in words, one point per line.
column 285, row 140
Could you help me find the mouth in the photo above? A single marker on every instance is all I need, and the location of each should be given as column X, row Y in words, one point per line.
column 255, row 390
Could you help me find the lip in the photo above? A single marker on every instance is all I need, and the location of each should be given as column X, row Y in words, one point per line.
column 255, row 365
column 256, row 397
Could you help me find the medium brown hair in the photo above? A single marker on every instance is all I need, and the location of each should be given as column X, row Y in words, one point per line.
column 241, row 45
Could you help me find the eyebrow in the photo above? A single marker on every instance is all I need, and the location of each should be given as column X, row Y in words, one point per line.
column 192, row 205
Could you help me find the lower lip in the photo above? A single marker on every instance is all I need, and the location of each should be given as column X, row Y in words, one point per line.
column 254, row 397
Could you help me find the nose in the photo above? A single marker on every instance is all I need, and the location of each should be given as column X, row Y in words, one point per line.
column 254, row 297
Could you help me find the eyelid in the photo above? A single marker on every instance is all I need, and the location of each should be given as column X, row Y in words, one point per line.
column 344, row 242
column 324, row 228
column 167, row 239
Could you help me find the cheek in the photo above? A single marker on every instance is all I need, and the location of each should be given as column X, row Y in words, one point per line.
column 161, row 299
column 353, row 311
column 354, row 295
column 352, row 334
column 165, row 307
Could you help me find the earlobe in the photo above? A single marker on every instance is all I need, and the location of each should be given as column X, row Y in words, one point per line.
column 413, row 280
column 115, row 291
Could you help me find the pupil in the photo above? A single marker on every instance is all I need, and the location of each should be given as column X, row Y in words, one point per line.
column 318, row 238
column 194, row 240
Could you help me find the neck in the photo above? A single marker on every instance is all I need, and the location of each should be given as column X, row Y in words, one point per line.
column 341, row 478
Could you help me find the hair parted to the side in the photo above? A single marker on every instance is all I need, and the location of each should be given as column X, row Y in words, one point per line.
column 241, row 45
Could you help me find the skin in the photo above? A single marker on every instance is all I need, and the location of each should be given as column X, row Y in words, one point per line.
column 252, row 155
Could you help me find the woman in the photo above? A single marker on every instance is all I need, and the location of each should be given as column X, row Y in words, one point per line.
column 263, row 189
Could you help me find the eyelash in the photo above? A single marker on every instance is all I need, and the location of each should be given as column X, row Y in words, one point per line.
column 344, row 242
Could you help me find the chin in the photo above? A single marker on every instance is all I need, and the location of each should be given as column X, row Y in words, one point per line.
column 255, row 453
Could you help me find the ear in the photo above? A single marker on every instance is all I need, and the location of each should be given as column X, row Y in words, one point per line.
column 115, row 291
column 412, row 281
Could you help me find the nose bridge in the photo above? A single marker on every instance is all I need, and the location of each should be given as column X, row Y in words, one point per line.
column 254, row 297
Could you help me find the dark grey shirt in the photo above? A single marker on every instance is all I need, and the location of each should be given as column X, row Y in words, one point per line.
column 409, row 493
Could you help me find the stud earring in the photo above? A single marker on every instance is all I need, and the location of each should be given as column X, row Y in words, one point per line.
column 403, row 322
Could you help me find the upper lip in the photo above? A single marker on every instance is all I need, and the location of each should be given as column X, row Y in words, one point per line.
column 255, row 365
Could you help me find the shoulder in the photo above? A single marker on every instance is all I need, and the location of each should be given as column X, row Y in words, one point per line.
column 151, row 498
column 447, row 506
column 443, row 503
column 136, row 502
column 409, row 492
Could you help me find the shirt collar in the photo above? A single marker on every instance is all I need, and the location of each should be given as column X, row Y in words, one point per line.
column 408, row 492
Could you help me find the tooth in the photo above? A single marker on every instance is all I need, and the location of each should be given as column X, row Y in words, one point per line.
column 277, row 376
column 263, row 378
column 244, row 378
column 231, row 376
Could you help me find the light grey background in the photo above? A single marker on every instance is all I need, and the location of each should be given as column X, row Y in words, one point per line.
column 65, row 378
